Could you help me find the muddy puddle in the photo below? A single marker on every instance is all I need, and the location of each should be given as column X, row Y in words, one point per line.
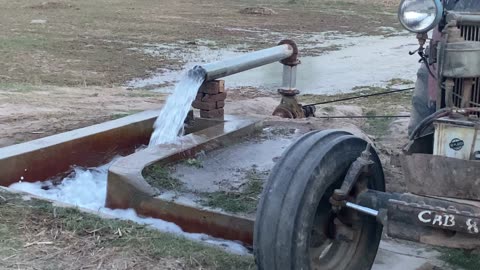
column 340, row 62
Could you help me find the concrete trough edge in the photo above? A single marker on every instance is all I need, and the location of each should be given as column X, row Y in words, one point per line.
column 127, row 188
column 53, row 156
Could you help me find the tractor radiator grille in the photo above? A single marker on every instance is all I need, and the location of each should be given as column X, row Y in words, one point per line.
column 469, row 33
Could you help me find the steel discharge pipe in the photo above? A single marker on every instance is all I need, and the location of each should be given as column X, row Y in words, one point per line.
column 246, row 61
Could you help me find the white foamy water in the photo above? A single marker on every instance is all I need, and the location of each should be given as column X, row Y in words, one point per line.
column 87, row 188
column 169, row 124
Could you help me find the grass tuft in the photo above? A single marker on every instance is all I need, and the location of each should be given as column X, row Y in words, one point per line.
column 19, row 87
column 160, row 177
column 376, row 126
column 71, row 231
column 462, row 259
column 193, row 162
column 244, row 201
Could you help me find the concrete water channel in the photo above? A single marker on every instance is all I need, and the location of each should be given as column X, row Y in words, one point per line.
column 55, row 157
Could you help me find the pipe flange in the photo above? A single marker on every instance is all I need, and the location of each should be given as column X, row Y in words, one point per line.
column 293, row 59
column 288, row 92
column 284, row 112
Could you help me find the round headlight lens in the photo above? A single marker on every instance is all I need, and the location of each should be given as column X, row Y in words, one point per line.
column 420, row 16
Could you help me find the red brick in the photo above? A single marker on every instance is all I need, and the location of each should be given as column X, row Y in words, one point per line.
column 206, row 106
column 220, row 104
column 199, row 97
column 213, row 87
column 212, row 114
column 217, row 97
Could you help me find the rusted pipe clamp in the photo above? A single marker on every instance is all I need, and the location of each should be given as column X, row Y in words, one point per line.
column 293, row 59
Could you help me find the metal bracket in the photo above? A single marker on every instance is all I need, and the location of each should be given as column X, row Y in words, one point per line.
column 359, row 168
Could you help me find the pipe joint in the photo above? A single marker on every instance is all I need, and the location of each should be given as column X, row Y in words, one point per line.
column 293, row 59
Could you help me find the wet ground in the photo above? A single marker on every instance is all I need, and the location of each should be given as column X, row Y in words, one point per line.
column 229, row 179
column 345, row 61
column 226, row 167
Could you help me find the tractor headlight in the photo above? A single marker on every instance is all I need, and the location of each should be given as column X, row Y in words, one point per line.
column 420, row 16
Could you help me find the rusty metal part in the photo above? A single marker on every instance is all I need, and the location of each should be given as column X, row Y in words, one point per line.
column 293, row 59
column 437, row 217
column 343, row 232
column 422, row 38
column 358, row 169
column 127, row 188
column 289, row 107
column 54, row 156
column 288, row 92
column 438, row 226
column 430, row 175
column 283, row 111
column 423, row 219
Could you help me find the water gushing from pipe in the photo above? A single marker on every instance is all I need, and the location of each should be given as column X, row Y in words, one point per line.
column 169, row 123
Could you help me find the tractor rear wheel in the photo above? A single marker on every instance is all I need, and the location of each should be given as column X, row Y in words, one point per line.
column 296, row 227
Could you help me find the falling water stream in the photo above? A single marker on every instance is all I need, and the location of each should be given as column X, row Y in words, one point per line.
column 169, row 124
column 87, row 187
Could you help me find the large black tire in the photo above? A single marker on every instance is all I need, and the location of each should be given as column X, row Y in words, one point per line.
column 295, row 199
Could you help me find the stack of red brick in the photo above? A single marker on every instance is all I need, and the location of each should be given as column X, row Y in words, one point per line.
column 211, row 99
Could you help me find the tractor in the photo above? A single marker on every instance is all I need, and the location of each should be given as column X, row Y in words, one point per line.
column 325, row 206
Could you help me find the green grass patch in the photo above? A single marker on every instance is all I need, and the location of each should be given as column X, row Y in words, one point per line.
column 19, row 87
column 126, row 236
column 376, row 126
column 328, row 109
column 22, row 43
column 161, row 178
column 399, row 81
column 463, row 259
column 193, row 162
column 244, row 201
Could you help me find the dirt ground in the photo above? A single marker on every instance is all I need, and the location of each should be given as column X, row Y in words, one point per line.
column 71, row 43
column 64, row 64
column 31, row 112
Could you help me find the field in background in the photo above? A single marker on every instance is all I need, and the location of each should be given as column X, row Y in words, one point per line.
column 90, row 42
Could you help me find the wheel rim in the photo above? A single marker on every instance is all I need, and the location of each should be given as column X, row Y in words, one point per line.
column 313, row 167
column 326, row 252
